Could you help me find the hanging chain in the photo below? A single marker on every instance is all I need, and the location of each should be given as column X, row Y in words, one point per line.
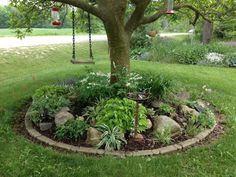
column 73, row 33
column 90, row 37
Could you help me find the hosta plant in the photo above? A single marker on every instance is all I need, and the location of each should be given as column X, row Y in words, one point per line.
column 112, row 138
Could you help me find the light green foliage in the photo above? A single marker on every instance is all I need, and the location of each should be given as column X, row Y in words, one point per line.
column 112, row 138
column 120, row 113
column 48, row 100
column 195, row 124
column 207, row 119
column 165, row 109
column 163, row 136
column 72, row 130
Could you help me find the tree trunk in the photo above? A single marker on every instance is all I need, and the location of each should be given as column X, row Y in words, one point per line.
column 207, row 32
column 118, row 41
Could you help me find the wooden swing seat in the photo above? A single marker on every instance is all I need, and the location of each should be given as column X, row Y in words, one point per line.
column 82, row 62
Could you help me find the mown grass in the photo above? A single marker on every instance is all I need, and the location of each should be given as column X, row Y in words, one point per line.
column 23, row 70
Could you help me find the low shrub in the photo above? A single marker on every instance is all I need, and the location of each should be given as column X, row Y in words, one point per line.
column 112, row 138
column 207, row 119
column 92, row 87
column 72, row 129
column 119, row 113
column 165, row 109
column 163, row 136
column 47, row 101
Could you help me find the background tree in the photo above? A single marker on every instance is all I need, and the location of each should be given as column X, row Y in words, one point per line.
column 120, row 18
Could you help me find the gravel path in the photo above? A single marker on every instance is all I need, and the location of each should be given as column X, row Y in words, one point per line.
column 11, row 42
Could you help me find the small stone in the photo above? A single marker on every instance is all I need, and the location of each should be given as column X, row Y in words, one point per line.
column 93, row 136
column 187, row 110
column 200, row 106
column 44, row 126
column 163, row 122
column 81, row 118
column 183, row 96
column 63, row 116
column 155, row 104
column 138, row 137
column 149, row 124
column 92, row 122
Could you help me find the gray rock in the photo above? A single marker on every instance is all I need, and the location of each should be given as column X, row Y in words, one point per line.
column 200, row 106
column 63, row 116
column 155, row 104
column 187, row 110
column 138, row 137
column 44, row 126
column 145, row 56
column 149, row 124
column 93, row 136
column 163, row 122
column 183, row 96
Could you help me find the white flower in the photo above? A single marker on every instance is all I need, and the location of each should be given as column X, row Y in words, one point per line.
column 214, row 57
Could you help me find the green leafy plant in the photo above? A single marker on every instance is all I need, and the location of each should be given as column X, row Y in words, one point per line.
column 48, row 100
column 92, row 87
column 160, row 85
column 192, row 130
column 207, row 119
column 163, row 136
column 165, row 109
column 119, row 113
column 112, row 138
column 72, row 129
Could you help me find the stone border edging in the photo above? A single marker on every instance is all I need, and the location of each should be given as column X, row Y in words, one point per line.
column 87, row 150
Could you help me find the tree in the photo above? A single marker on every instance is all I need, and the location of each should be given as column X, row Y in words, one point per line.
column 120, row 18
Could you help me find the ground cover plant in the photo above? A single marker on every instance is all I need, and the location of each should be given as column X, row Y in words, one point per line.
column 20, row 76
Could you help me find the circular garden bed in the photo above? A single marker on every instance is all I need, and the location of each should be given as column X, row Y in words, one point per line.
column 138, row 115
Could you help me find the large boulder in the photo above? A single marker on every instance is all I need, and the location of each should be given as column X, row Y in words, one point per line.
column 161, row 123
column 189, row 111
column 63, row 116
column 93, row 136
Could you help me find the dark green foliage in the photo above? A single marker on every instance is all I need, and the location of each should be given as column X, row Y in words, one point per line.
column 112, row 138
column 119, row 113
column 139, row 43
column 72, row 130
column 160, row 85
column 48, row 100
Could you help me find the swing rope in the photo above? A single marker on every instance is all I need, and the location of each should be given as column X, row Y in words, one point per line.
column 74, row 61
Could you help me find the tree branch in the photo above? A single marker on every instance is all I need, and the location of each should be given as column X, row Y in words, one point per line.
column 137, row 15
column 157, row 15
column 188, row 6
column 84, row 6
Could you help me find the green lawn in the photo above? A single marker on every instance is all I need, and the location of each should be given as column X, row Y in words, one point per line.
column 24, row 70
column 39, row 32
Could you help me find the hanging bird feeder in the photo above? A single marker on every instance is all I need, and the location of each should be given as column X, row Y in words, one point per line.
column 170, row 7
column 55, row 16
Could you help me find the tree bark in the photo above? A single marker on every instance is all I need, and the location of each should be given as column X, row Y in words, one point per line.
column 118, row 42
column 207, row 32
